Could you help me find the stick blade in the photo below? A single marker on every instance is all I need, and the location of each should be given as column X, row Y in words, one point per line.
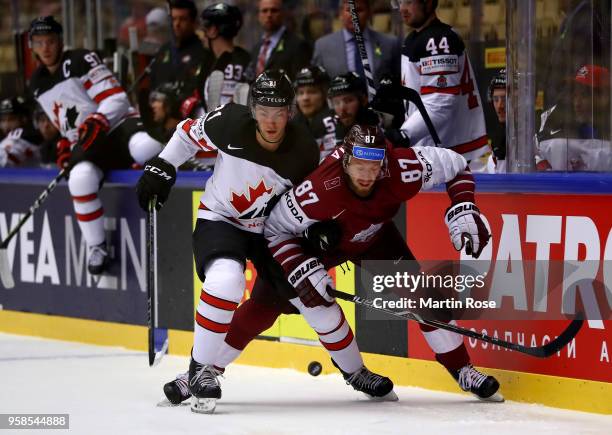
column 6, row 275
column 558, row 343
column 215, row 86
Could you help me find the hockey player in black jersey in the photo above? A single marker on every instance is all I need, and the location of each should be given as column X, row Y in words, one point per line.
column 20, row 145
column 349, row 99
column 261, row 154
column 311, row 95
column 221, row 24
column 100, row 129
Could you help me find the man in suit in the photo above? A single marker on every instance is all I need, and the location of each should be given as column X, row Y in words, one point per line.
column 338, row 52
column 278, row 48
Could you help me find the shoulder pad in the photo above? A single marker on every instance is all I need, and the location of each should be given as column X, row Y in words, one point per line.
column 225, row 124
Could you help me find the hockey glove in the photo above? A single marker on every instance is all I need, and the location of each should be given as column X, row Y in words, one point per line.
column 388, row 101
column 311, row 281
column 324, row 236
column 466, row 228
column 157, row 179
column 189, row 104
column 397, row 137
column 91, row 133
column 63, row 152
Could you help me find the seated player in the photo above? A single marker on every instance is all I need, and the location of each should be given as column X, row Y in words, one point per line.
column 21, row 144
column 99, row 127
column 310, row 86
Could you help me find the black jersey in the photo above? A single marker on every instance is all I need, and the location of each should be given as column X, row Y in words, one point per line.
column 81, row 85
column 323, row 127
column 188, row 64
column 247, row 179
column 233, row 64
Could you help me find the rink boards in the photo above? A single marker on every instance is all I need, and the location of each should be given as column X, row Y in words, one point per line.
column 55, row 297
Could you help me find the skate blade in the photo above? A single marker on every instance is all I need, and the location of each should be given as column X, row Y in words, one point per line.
column 167, row 404
column 495, row 398
column 203, row 405
column 389, row 397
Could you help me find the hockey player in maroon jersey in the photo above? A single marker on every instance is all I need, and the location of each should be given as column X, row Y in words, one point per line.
column 100, row 129
column 435, row 63
column 359, row 187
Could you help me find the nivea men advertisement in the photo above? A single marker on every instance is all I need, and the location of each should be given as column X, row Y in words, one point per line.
column 48, row 259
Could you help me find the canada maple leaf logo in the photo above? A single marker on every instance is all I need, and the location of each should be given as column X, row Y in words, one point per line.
column 243, row 202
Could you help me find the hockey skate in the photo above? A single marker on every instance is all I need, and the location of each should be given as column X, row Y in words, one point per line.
column 177, row 390
column 376, row 387
column 484, row 387
column 204, row 387
column 98, row 259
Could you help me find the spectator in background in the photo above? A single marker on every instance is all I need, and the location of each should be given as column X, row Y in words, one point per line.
column 278, row 48
column 496, row 95
column 577, row 138
column 311, row 96
column 20, row 146
column 338, row 52
column 221, row 24
column 165, row 107
column 50, row 135
column 183, row 59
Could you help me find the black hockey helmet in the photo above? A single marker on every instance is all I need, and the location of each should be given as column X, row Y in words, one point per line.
column 13, row 106
column 227, row 18
column 348, row 83
column 168, row 93
column 497, row 82
column 312, row 75
column 272, row 88
column 45, row 26
column 365, row 142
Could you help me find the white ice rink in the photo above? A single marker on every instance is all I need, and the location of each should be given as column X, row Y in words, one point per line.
column 113, row 391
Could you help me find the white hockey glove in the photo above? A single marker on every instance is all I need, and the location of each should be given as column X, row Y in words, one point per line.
column 466, row 228
column 311, row 281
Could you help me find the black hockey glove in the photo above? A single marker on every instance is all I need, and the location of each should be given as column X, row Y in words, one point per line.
column 397, row 137
column 388, row 101
column 157, row 179
column 324, row 236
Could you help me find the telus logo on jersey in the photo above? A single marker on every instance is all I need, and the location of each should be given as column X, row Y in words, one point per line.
column 255, row 202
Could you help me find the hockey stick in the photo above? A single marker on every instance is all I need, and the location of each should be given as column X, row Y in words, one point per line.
column 407, row 93
column 363, row 54
column 215, row 85
column 241, row 93
column 413, row 96
column 544, row 351
column 6, row 275
column 155, row 334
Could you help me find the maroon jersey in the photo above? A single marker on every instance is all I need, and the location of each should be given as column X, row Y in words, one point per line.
column 325, row 195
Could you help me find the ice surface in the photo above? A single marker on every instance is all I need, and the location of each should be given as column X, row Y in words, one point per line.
column 113, row 391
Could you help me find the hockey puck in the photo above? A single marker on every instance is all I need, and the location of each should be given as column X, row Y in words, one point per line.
column 315, row 368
